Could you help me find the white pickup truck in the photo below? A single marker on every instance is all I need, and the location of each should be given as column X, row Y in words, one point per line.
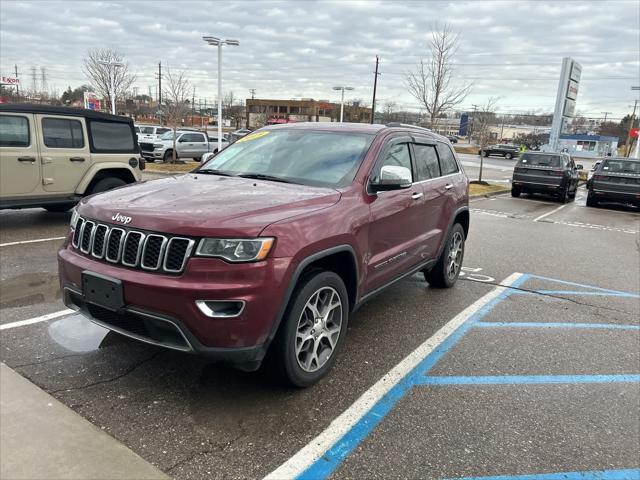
column 189, row 144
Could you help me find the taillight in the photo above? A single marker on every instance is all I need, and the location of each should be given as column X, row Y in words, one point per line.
column 600, row 177
column 557, row 173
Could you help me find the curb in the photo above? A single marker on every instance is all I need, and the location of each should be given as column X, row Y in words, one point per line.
column 490, row 194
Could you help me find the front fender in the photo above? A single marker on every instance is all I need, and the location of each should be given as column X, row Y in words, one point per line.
column 97, row 167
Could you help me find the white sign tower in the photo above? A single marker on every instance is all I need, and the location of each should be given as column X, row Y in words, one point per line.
column 565, row 100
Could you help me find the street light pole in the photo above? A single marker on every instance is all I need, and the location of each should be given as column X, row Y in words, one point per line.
column 112, row 81
column 342, row 89
column 217, row 42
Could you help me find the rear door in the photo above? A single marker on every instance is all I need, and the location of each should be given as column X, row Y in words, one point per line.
column 396, row 222
column 200, row 144
column 64, row 151
column 19, row 155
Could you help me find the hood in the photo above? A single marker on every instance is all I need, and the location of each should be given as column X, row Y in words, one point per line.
column 206, row 205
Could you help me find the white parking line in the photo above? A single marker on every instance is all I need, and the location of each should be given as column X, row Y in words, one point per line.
column 537, row 219
column 38, row 240
column 342, row 424
column 42, row 318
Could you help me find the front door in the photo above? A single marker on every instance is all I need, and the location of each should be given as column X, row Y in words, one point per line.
column 64, row 152
column 396, row 223
column 19, row 156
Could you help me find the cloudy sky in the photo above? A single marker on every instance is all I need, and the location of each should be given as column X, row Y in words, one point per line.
column 293, row 49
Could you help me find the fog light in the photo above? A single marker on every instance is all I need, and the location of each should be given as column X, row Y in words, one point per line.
column 221, row 308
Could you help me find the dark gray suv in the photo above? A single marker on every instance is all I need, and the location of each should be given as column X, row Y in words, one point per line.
column 550, row 173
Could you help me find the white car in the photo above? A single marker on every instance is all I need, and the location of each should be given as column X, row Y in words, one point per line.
column 150, row 132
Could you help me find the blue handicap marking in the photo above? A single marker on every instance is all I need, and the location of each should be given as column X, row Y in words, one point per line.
column 418, row 377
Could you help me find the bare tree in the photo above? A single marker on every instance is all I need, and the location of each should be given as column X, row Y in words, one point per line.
column 481, row 131
column 233, row 109
column 388, row 112
column 176, row 95
column 431, row 83
column 105, row 77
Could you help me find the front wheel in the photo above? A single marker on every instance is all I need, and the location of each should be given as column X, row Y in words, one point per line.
column 107, row 184
column 508, row 156
column 59, row 208
column 313, row 330
column 485, row 153
column 445, row 273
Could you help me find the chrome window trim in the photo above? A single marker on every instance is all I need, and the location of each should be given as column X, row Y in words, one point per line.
column 104, row 243
column 187, row 254
column 93, row 231
column 139, row 250
column 163, row 248
column 124, row 234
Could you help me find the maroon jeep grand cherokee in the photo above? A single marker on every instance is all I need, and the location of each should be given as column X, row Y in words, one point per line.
column 271, row 244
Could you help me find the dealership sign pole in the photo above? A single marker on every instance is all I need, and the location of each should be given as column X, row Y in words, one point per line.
column 565, row 99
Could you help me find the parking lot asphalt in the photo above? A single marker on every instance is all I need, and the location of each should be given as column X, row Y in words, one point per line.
column 540, row 378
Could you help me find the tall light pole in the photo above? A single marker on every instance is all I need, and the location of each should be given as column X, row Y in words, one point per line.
column 112, row 79
column 218, row 42
column 342, row 88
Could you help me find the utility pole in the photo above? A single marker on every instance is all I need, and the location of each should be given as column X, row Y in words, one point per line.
column 193, row 104
column 159, row 77
column 17, row 83
column 605, row 116
column 43, row 82
column 633, row 119
column 375, row 85
column 34, row 81
column 252, row 91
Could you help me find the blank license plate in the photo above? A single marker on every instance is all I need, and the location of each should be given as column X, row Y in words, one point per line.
column 102, row 290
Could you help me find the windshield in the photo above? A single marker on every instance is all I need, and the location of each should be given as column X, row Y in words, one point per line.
column 621, row 166
column 540, row 160
column 311, row 158
column 169, row 135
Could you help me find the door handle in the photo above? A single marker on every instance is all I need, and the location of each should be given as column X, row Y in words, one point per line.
column 448, row 186
column 416, row 195
column 77, row 159
column 27, row 159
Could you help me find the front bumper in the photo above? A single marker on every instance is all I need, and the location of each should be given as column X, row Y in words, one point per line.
column 161, row 308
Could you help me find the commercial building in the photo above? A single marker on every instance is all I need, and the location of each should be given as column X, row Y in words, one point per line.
column 261, row 112
column 588, row 145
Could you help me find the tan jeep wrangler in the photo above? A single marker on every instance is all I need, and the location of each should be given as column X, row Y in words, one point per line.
column 51, row 157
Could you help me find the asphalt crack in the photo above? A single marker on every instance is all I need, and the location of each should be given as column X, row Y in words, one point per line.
column 128, row 371
column 551, row 295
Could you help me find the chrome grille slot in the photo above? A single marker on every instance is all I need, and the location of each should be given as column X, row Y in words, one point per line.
column 87, row 237
column 154, row 247
column 114, row 245
column 133, row 244
column 178, row 250
column 99, row 241
column 77, row 232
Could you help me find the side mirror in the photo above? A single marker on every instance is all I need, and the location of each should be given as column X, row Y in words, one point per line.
column 579, row 166
column 207, row 156
column 392, row 178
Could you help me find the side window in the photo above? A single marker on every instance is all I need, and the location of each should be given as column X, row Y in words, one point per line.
column 199, row 137
column 189, row 137
column 62, row 133
column 448, row 164
column 111, row 136
column 161, row 131
column 396, row 156
column 426, row 162
column 14, row 131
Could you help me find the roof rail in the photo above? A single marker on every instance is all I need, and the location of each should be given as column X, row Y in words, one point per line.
column 406, row 125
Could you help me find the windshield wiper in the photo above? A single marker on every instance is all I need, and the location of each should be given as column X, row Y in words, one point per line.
column 210, row 171
column 262, row 176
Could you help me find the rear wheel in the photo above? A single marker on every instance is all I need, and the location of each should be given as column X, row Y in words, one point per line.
column 508, row 156
column 515, row 192
column 445, row 273
column 313, row 329
column 485, row 153
column 564, row 195
column 591, row 202
column 107, row 184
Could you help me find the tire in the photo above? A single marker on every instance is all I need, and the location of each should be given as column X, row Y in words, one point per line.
column 508, row 156
column 61, row 208
column 515, row 192
column 300, row 369
column 591, row 202
column 196, row 159
column 485, row 153
column 168, row 156
column 444, row 274
column 107, row 184
column 564, row 196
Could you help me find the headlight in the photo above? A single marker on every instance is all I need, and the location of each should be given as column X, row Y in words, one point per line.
column 158, row 145
column 74, row 218
column 235, row 250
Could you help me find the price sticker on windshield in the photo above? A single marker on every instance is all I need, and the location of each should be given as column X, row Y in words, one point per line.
column 253, row 136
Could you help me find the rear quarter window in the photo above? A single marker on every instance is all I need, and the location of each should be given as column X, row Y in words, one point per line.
column 448, row 164
column 111, row 137
column 14, row 131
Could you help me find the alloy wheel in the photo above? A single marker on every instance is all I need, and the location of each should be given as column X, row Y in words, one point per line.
column 319, row 328
column 454, row 257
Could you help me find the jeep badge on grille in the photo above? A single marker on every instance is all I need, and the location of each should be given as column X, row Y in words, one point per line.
column 121, row 218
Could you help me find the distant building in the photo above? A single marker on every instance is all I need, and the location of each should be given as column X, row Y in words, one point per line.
column 588, row 145
column 261, row 112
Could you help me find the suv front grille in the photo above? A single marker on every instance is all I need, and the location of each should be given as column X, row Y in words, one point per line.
column 146, row 147
column 132, row 248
